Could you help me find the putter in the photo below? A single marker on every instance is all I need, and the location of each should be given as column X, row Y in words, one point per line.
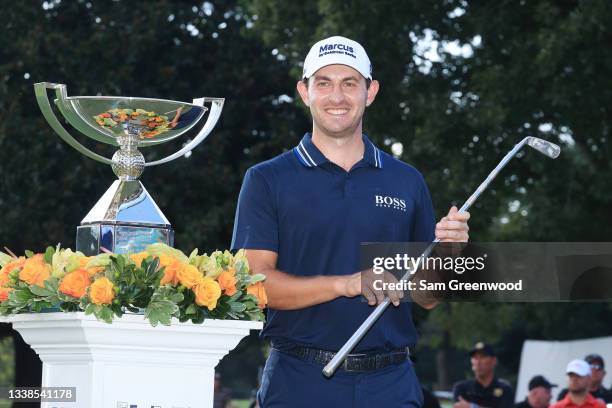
column 545, row 147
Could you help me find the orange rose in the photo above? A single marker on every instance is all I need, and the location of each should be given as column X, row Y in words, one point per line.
column 189, row 276
column 207, row 291
column 101, row 292
column 259, row 292
column 75, row 283
column 139, row 257
column 90, row 271
column 227, row 281
column 10, row 267
column 4, row 292
column 172, row 266
column 35, row 271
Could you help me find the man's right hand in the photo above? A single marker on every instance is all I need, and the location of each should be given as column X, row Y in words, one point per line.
column 362, row 283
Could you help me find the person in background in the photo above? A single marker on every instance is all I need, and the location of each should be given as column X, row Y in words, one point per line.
column 539, row 393
column 222, row 396
column 578, row 383
column 485, row 390
column 598, row 372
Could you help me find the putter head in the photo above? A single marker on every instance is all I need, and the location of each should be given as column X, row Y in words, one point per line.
column 545, row 147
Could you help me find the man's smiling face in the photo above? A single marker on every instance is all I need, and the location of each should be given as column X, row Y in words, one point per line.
column 337, row 96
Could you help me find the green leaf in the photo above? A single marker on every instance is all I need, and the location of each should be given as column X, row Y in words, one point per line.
column 235, row 296
column 29, row 253
column 43, row 292
column 90, row 309
column 160, row 312
column 258, row 277
column 237, row 307
column 103, row 313
column 52, row 285
column 21, row 295
column 191, row 309
column 49, row 255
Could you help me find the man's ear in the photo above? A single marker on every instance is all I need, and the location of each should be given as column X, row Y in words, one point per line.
column 302, row 89
column 372, row 91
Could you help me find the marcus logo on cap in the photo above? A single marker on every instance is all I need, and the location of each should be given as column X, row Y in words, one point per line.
column 337, row 50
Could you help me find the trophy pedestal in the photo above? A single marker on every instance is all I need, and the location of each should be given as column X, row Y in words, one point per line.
column 125, row 220
column 129, row 363
column 120, row 239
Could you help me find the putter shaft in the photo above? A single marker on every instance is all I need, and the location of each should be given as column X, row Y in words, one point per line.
column 340, row 356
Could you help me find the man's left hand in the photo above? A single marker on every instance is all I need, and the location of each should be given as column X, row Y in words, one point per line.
column 453, row 227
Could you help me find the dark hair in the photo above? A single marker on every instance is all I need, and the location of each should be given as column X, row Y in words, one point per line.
column 368, row 82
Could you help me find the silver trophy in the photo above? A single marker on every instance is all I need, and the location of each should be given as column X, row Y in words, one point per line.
column 126, row 218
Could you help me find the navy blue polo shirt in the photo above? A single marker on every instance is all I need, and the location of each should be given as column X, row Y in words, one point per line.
column 315, row 215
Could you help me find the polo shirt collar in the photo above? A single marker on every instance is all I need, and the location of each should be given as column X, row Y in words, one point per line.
column 310, row 156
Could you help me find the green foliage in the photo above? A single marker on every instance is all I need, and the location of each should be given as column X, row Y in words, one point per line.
column 7, row 363
column 163, row 305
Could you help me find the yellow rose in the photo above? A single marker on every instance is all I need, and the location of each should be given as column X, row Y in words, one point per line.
column 4, row 292
column 207, row 292
column 101, row 292
column 189, row 276
column 35, row 271
column 139, row 257
column 227, row 281
column 172, row 266
column 75, row 283
column 259, row 292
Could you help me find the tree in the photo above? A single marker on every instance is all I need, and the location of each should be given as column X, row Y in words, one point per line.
column 162, row 49
column 461, row 83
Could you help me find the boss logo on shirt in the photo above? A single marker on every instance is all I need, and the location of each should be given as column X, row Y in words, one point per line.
column 390, row 202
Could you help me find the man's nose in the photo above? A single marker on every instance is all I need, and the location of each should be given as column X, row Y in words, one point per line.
column 337, row 94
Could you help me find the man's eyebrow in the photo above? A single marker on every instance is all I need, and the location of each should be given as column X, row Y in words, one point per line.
column 325, row 78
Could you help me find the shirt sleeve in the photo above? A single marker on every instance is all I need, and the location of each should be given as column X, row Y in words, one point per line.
column 424, row 219
column 256, row 223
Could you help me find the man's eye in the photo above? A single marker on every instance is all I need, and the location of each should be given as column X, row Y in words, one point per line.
column 322, row 84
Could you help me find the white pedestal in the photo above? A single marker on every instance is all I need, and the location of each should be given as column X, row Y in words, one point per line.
column 129, row 362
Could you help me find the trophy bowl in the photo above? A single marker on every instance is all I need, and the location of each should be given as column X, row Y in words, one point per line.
column 126, row 218
column 107, row 118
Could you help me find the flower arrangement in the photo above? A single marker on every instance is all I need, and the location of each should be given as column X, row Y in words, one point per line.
column 161, row 281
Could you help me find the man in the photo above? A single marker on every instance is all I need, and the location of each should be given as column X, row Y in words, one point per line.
column 302, row 217
column 598, row 372
column 485, row 390
column 539, row 393
column 578, row 383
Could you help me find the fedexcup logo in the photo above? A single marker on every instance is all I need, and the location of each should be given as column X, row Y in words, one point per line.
column 336, row 49
column 390, row 202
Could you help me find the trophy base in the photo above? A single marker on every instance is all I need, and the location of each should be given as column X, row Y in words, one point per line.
column 120, row 238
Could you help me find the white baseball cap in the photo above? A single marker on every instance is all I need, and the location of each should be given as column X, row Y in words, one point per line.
column 337, row 50
column 578, row 367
